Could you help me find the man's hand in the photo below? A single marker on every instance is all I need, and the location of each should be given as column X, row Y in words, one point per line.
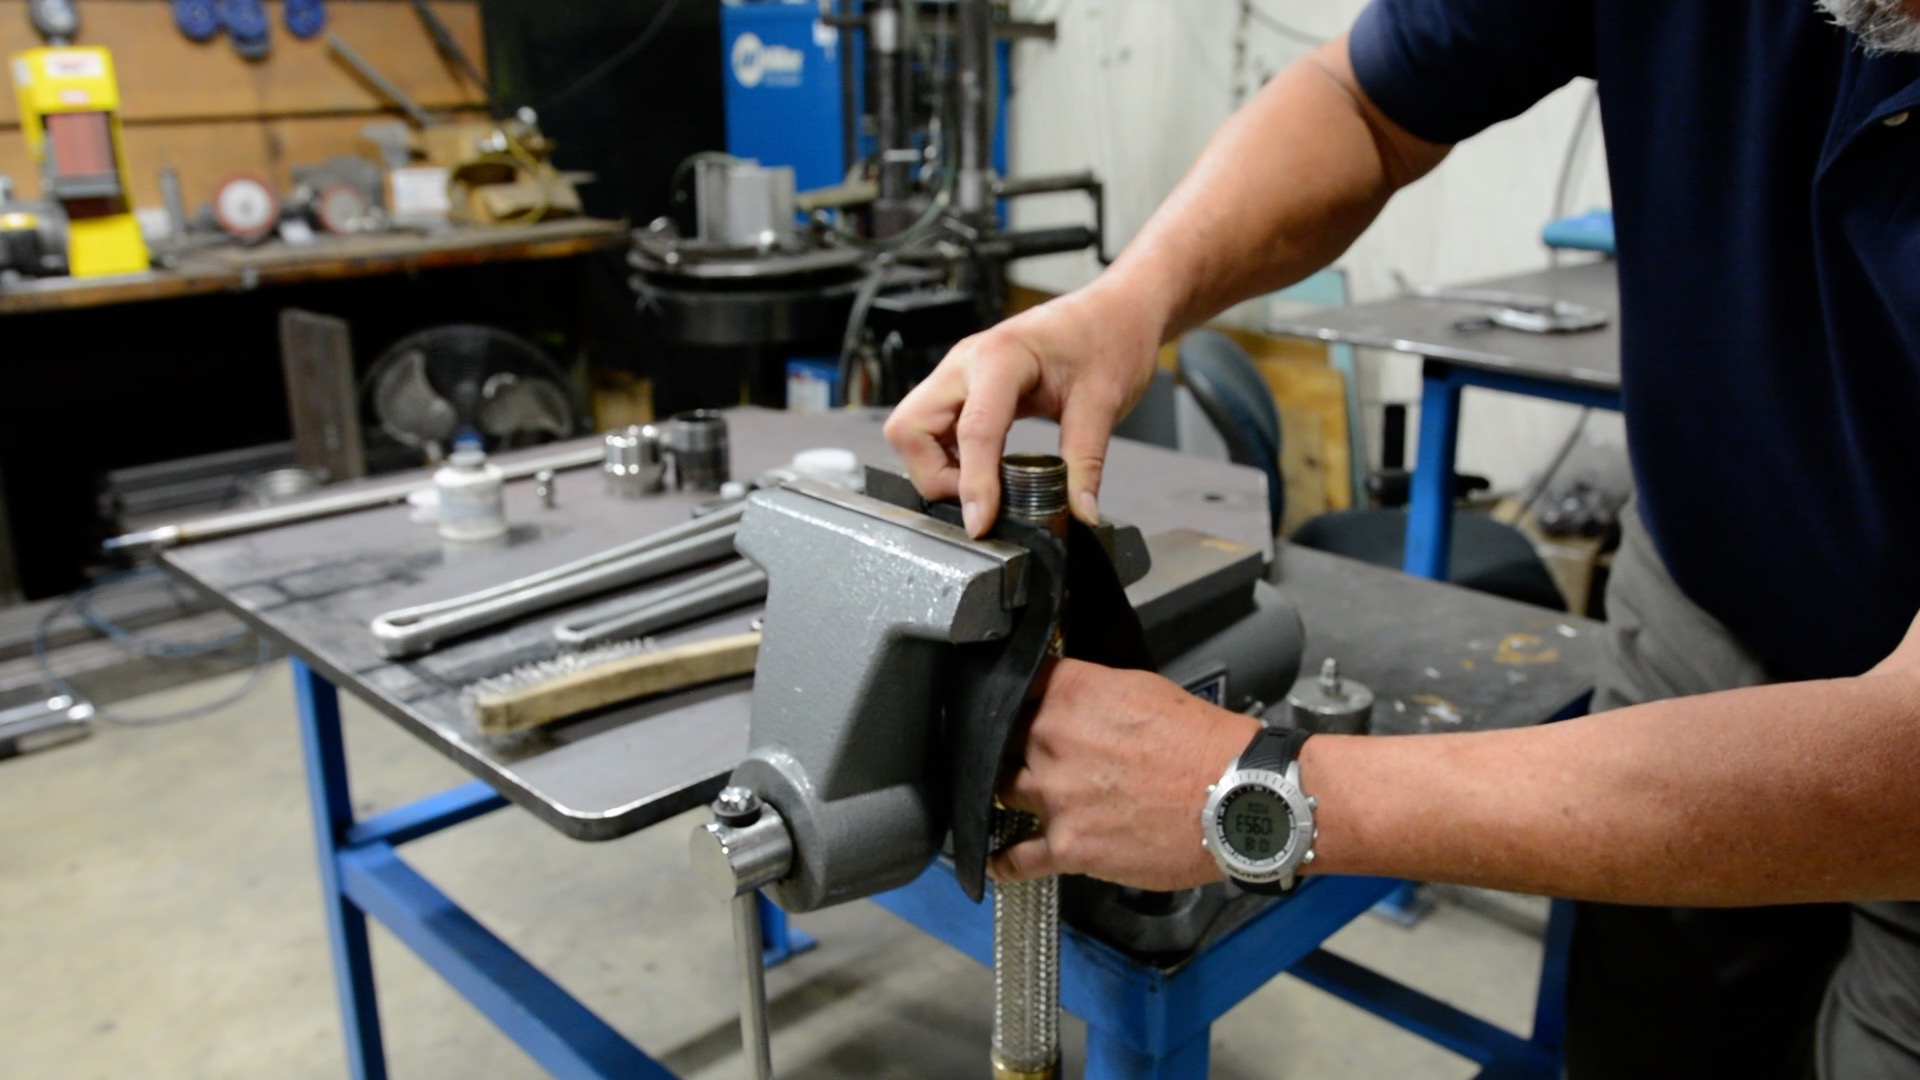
column 1083, row 359
column 1117, row 767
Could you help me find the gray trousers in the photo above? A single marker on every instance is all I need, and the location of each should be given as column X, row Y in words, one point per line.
column 1664, row 992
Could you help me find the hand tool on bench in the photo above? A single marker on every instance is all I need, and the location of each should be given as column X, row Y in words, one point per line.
column 412, row 630
column 511, row 704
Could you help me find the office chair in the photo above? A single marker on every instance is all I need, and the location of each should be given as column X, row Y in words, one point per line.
column 1487, row 556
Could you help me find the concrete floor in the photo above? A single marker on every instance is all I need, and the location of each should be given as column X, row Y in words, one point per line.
column 159, row 917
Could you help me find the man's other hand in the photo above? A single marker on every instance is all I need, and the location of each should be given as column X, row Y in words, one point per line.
column 1083, row 359
column 1116, row 768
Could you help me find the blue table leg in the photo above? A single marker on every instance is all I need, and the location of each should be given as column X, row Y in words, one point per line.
column 780, row 940
column 1110, row 1057
column 1430, row 517
column 319, row 712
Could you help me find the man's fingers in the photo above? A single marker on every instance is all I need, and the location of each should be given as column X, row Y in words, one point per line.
column 1086, row 426
column 1024, row 861
column 921, row 429
column 993, row 395
column 1021, row 791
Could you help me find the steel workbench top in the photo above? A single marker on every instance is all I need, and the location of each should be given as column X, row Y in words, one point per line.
column 1427, row 328
column 1440, row 658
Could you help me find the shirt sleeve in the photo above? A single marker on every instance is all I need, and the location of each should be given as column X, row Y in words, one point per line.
column 1448, row 69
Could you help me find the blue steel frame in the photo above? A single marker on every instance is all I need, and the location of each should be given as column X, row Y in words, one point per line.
column 361, row 874
column 1144, row 1023
column 1430, row 517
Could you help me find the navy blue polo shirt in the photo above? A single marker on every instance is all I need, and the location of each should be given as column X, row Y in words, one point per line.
column 1766, row 187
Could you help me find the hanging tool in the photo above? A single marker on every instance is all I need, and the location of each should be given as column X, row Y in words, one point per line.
column 199, row 20
column 412, row 630
column 443, row 40
column 247, row 27
column 386, row 86
column 305, row 18
column 574, row 684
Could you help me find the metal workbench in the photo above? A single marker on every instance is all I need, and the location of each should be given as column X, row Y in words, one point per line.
column 1440, row 658
column 1581, row 368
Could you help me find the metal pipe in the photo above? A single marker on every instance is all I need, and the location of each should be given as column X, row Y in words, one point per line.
column 974, row 66
column 358, row 497
column 890, row 125
column 1026, row 914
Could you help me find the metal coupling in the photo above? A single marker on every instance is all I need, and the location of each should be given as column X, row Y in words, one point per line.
column 697, row 443
column 1033, row 488
column 1330, row 703
column 635, row 464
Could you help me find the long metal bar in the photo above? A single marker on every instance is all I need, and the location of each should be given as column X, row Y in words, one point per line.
column 748, row 945
column 357, row 497
column 562, row 1035
column 973, row 63
column 318, row 706
column 1427, row 1017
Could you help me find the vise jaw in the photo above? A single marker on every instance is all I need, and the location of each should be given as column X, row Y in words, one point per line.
column 865, row 603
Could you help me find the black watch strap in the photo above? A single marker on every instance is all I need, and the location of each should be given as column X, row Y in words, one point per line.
column 1273, row 749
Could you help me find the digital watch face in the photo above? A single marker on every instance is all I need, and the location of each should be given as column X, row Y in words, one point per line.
column 1255, row 823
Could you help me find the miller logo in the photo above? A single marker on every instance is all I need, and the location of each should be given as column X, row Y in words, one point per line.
column 755, row 62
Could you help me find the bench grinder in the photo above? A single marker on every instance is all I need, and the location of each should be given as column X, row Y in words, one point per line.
column 899, row 655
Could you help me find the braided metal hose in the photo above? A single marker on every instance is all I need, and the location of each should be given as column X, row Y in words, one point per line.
column 1026, row 969
column 1026, row 914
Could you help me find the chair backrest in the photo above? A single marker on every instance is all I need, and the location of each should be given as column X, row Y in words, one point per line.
column 1230, row 390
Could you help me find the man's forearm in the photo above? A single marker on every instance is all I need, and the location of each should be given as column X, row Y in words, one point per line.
column 1778, row 794
column 1283, row 188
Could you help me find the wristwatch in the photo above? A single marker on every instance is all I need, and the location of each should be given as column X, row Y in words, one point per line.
column 1257, row 823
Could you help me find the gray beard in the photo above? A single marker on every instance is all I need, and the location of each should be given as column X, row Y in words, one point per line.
column 1883, row 26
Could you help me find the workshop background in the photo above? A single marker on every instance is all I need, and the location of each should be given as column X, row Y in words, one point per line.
column 265, row 253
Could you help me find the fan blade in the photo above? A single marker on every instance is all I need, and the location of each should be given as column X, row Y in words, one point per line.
column 407, row 406
column 524, row 407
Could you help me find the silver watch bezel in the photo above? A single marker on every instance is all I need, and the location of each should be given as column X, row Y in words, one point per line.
column 1298, row 851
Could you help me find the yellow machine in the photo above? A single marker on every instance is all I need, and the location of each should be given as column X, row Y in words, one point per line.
column 69, row 112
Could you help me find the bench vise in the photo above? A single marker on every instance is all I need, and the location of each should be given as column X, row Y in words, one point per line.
column 898, row 658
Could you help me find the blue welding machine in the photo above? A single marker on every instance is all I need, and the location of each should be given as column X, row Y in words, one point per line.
column 782, row 74
column 781, row 68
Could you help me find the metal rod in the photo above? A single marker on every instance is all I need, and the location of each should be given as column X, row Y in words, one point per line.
column 974, row 66
column 755, row 1039
column 358, row 497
